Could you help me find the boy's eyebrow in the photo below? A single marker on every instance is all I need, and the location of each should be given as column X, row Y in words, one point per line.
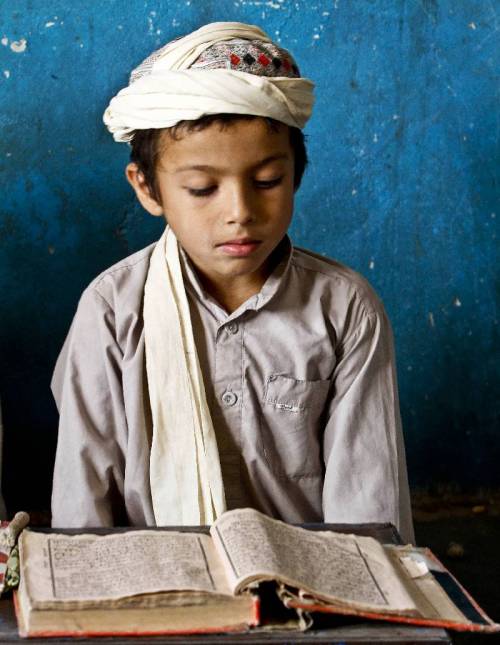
column 206, row 168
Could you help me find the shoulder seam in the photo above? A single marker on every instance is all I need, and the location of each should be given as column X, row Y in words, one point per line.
column 300, row 266
column 95, row 290
column 100, row 278
column 94, row 285
column 370, row 310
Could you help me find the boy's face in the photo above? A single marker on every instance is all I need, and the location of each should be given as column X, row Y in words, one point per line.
column 227, row 194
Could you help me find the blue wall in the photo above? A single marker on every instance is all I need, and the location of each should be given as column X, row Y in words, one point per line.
column 401, row 186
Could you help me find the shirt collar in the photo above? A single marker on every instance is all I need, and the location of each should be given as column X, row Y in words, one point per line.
column 282, row 256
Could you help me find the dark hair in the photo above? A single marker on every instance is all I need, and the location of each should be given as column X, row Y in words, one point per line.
column 146, row 148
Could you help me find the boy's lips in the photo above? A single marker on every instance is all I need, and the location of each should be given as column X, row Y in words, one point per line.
column 239, row 247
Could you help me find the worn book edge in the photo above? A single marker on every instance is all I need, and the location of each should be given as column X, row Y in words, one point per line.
column 237, row 628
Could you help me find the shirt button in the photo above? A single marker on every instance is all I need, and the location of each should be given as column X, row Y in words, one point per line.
column 229, row 398
column 233, row 327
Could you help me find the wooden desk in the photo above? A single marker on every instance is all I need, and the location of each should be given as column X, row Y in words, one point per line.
column 344, row 631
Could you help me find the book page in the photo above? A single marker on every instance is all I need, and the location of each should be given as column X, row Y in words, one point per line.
column 89, row 567
column 347, row 569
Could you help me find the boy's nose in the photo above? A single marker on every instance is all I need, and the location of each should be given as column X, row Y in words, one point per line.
column 240, row 207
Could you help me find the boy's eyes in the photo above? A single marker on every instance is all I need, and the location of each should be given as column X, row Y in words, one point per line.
column 205, row 192
column 201, row 192
column 270, row 183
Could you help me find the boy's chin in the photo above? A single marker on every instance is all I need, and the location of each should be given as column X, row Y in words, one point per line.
column 238, row 267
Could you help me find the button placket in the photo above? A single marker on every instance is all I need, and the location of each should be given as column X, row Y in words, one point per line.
column 228, row 375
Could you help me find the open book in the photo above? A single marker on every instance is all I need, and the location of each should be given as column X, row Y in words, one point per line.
column 161, row 581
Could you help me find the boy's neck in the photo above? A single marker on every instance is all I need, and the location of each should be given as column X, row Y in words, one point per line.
column 231, row 294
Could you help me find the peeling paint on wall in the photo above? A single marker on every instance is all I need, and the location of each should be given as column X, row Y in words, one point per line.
column 19, row 46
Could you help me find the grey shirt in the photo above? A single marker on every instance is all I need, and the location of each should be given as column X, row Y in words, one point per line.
column 300, row 382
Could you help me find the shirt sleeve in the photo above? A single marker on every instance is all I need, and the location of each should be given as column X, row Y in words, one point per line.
column 365, row 467
column 90, row 462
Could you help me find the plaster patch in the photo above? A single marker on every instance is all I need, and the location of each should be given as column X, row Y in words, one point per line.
column 5, row 41
column 6, row 73
column 19, row 46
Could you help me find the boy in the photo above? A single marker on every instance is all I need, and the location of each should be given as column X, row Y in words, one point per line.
column 222, row 367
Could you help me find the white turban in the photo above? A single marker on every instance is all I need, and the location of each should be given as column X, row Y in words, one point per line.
column 164, row 90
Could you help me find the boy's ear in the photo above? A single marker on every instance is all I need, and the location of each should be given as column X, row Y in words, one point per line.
column 138, row 182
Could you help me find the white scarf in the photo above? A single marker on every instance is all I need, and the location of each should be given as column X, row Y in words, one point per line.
column 169, row 92
column 185, row 471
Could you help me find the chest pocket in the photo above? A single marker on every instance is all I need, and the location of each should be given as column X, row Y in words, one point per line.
column 290, row 425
